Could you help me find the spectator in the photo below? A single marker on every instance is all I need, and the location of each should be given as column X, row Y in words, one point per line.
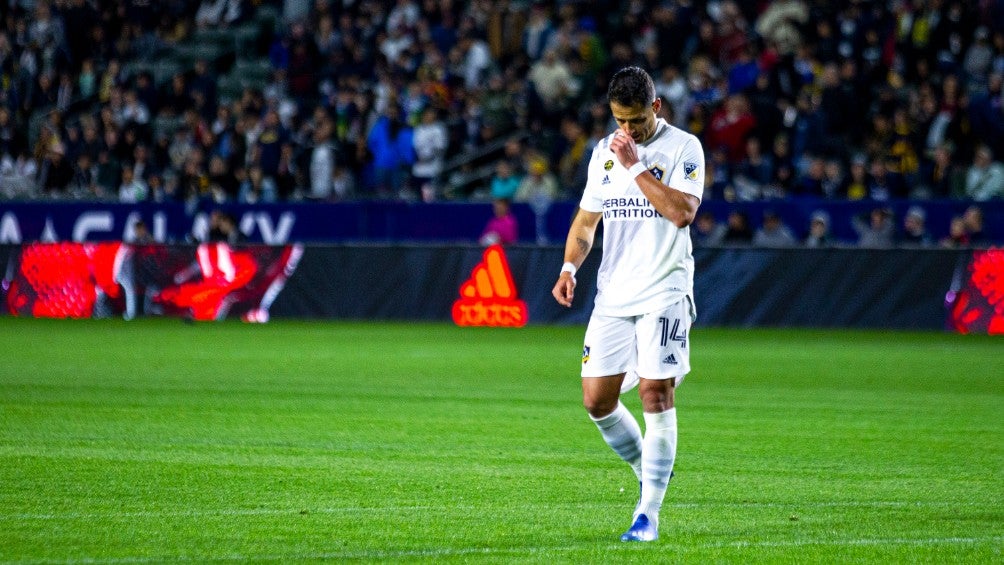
column 884, row 182
column 552, row 86
column 476, row 59
column 957, row 236
column 502, row 228
column 87, row 80
column 391, row 143
column 939, row 176
column 17, row 176
column 222, row 227
column 811, row 182
column 322, row 162
column 202, row 87
column 672, row 87
column 537, row 32
column 175, row 97
column 730, row 127
column 343, row 183
column 856, row 187
column 131, row 189
column 55, row 171
column 783, row 177
column 267, row 150
column 985, row 178
column 738, row 231
column 217, row 13
column 431, row 141
column 12, row 140
column 223, row 184
column 877, row 232
column 718, row 177
column 914, row 228
column 134, row 111
column 754, row 173
column 819, row 230
column 833, row 178
column 140, row 234
column 539, row 189
column 972, row 218
column 538, row 184
column 503, row 182
column 706, row 231
column 773, row 232
column 573, row 160
column 978, row 59
column 257, row 187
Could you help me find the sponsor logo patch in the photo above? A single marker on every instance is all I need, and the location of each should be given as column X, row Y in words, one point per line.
column 690, row 170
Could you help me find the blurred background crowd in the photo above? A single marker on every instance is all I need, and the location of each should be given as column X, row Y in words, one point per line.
column 329, row 100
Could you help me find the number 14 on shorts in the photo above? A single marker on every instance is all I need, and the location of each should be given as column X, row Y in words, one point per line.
column 670, row 331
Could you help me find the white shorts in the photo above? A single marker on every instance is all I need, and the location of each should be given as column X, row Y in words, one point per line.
column 654, row 346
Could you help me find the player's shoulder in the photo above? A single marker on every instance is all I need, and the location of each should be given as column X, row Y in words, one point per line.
column 604, row 144
column 672, row 135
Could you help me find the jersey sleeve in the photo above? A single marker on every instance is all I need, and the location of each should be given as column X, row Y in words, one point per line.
column 688, row 173
column 592, row 199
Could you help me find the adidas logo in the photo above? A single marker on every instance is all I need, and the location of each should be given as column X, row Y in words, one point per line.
column 606, row 179
column 670, row 360
column 488, row 298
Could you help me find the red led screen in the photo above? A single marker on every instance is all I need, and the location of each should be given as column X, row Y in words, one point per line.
column 207, row 282
column 977, row 306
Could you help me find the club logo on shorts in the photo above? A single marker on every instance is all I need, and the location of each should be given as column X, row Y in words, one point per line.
column 585, row 354
column 657, row 172
column 690, row 169
column 608, row 165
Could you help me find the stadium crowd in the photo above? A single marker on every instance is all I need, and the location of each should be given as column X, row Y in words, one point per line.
column 854, row 100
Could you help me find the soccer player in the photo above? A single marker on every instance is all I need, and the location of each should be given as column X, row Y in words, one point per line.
column 645, row 182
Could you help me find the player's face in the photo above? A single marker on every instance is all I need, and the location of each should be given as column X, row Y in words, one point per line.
column 638, row 121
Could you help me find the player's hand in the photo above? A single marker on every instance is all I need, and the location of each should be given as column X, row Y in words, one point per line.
column 624, row 148
column 564, row 289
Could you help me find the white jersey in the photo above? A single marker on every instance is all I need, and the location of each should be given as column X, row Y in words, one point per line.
column 647, row 263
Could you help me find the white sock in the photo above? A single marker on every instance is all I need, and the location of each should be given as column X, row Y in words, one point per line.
column 658, row 454
column 621, row 432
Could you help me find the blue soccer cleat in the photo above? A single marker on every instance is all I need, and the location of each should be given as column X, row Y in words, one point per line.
column 641, row 530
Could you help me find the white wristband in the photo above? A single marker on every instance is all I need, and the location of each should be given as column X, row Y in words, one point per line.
column 637, row 169
column 569, row 268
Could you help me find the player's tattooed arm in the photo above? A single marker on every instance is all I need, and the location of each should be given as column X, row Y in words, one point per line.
column 577, row 246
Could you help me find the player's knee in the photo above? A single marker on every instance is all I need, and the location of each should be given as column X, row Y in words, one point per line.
column 599, row 407
column 657, row 396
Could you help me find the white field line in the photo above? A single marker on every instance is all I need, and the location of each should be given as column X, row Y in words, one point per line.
column 225, row 513
column 502, row 551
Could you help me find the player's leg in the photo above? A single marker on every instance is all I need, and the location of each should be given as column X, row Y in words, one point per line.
column 608, row 351
column 663, row 360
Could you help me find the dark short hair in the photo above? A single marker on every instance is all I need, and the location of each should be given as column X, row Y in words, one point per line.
column 631, row 86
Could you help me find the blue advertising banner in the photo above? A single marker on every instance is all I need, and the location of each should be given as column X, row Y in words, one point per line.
column 379, row 221
column 272, row 224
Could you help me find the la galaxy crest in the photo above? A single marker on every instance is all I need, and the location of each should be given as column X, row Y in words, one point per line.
column 657, row 171
column 608, row 165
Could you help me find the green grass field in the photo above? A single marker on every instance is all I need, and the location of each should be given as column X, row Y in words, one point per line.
column 158, row 441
